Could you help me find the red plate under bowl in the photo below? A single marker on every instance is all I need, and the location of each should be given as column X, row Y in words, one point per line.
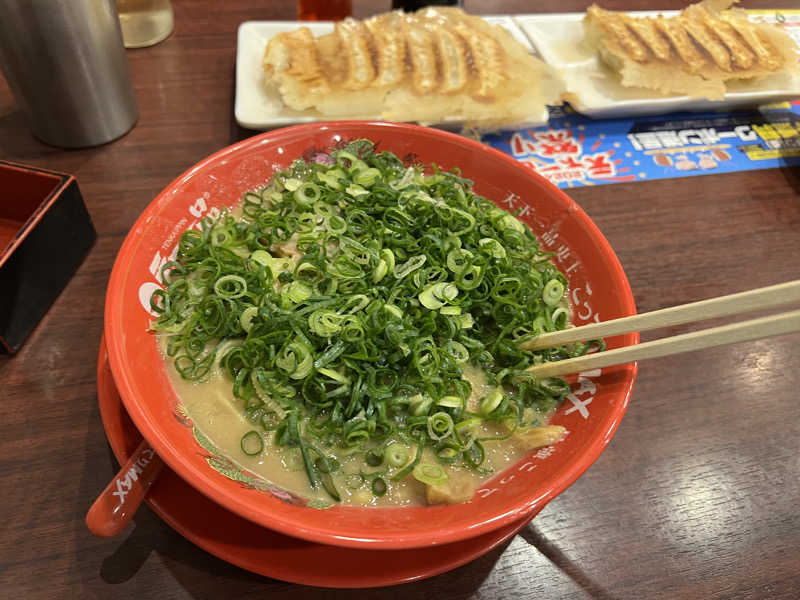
column 599, row 291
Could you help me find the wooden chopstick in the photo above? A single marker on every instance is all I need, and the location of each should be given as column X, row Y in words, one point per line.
column 732, row 304
column 745, row 331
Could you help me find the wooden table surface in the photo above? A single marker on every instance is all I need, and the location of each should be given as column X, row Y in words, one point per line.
column 696, row 496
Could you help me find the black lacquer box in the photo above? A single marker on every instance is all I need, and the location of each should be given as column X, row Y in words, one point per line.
column 45, row 232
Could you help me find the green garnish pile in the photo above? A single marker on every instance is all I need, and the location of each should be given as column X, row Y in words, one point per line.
column 345, row 303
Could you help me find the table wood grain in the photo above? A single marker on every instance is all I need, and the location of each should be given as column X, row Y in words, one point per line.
column 696, row 496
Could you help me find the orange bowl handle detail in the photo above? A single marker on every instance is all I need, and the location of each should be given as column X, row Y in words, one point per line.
column 117, row 504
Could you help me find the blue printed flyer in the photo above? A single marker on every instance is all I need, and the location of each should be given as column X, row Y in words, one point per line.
column 573, row 150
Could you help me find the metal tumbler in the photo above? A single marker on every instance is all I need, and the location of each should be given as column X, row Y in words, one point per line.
column 66, row 66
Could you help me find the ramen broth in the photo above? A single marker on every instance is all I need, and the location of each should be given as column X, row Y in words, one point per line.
column 219, row 416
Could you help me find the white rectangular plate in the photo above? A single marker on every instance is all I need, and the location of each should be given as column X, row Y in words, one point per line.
column 596, row 92
column 257, row 108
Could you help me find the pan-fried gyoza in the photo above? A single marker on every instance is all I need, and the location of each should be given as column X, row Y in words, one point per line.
column 695, row 52
column 435, row 64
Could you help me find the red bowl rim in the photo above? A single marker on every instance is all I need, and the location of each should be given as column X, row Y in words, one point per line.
column 177, row 462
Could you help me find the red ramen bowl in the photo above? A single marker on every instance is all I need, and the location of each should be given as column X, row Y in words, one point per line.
column 599, row 290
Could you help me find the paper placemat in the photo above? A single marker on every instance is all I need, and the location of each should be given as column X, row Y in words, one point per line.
column 576, row 151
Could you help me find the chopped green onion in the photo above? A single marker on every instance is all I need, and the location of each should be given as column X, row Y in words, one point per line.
column 420, row 405
column 349, row 161
column 252, row 443
column 307, row 194
column 458, row 260
column 367, row 177
column 467, row 424
column 430, row 474
column 326, row 464
column 464, row 321
column 393, row 310
column 475, row 454
column 559, row 317
column 451, row 402
column 410, row 466
column 447, row 454
column 374, row 459
column 356, row 190
column 292, row 184
column 299, row 292
column 230, row 286
column 345, row 304
column 380, row 271
column 296, row 360
column 335, row 375
column 396, row 455
column 436, row 295
column 539, row 325
column 379, row 486
column 332, row 178
column 553, row 292
column 440, row 425
column 354, row 304
column 388, row 257
column 247, row 316
column 510, row 222
column 470, row 278
column 414, row 263
column 491, row 401
column 457, row 351
column 261, row 257
column 336, row 224
column 325, row 323
column 492, row 247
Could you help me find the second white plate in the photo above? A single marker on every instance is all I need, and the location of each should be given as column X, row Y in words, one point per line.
column 595, row 91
